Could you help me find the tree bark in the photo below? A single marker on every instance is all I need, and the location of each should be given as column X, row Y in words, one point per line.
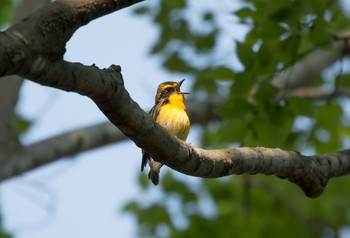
column 9, row 90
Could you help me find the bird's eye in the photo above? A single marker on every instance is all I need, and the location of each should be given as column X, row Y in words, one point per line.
column 168, row 90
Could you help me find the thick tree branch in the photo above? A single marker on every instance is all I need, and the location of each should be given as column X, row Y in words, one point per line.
column 9, row 89
column 67, row 144
column 106, row 89
column 40, row 39
column 83, row 139
column 310, row 173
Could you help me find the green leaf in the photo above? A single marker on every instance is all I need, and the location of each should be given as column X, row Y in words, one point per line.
column 324, row 142
column 233, row 131
column 175, row 63
column 205, row 82
column 271, row 127
column 245, row 12
column 22, row 124
column 343, row 81
column 6, row 12
column 319, row 35
column 208, row 16
column 131, row 207
column 171, row 185
column 280, row 11
column 222, row 73
column 270, row 30
column 236, row 107
column 329, row 116
column 267, row 61
column 205, row 42
column 174, row 4
column 289, row 48
column 301, row 106
column 158, row 47
column 244, row 81
column 142, row 10
column 143, row 180
column 265, row 93
column 245, row 54
column 5, row 235
column 325, row 135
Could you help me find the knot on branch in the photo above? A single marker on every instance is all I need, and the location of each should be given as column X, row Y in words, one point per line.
column 312, row 184
column 115, row 68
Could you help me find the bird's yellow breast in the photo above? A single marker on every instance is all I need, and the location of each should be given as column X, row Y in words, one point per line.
column 173, row 117
column 177, row 100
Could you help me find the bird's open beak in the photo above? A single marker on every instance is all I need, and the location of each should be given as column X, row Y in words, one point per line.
column 178, row 87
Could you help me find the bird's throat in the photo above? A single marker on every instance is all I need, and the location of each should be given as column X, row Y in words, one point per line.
column 177, row 100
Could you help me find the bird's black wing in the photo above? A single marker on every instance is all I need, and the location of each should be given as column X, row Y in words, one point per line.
column 154, row 114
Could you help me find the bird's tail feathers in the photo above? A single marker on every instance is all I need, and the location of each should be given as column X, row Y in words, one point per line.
column 153, row 174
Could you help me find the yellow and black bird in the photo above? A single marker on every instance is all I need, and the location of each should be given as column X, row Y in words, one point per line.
column 169, row 111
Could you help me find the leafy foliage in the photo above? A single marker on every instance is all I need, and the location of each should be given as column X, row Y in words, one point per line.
column 244, row 206
column 6, row 12
column 22, row 124
column 256, row 113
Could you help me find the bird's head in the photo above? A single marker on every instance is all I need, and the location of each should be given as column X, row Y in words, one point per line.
column 166, row 89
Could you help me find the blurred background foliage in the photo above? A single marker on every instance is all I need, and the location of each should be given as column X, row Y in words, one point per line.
column 256, row 113
column 6, row 12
